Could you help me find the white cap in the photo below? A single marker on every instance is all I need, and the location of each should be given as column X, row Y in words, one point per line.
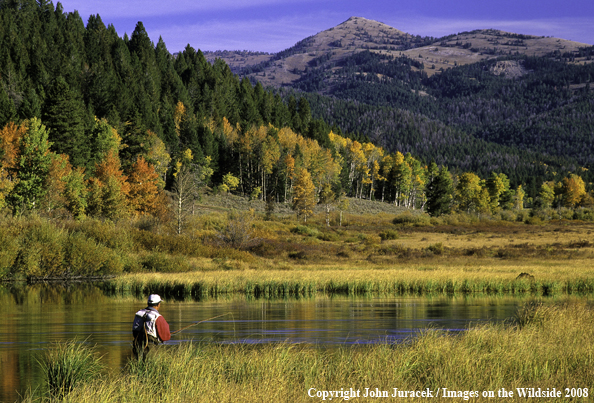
column 154, row 299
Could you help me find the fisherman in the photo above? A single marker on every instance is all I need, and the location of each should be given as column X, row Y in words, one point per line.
column 149, row 328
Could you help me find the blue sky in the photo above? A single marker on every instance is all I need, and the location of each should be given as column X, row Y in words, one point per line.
column 274, row 25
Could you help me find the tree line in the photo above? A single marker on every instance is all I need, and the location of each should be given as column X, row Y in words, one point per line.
column 102, row 126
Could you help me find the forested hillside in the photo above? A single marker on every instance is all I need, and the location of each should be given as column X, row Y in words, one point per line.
column 92, row 124
column 544, row 116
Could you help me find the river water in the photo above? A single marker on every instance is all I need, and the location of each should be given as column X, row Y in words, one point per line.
column 36, row 316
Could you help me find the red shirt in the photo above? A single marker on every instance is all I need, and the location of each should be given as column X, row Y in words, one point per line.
column 163, row 329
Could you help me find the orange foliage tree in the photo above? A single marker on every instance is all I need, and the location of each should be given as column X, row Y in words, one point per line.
column 109, row 190
column 10, row 137
column 144, row 189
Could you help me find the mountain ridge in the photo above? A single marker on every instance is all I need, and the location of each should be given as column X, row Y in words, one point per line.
column 358, row 34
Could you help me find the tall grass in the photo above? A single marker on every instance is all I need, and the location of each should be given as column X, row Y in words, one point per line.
column 306, row 283
column 67, row 365
column 552, row 348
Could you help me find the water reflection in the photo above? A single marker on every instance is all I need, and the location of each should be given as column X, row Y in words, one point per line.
column 41, row 314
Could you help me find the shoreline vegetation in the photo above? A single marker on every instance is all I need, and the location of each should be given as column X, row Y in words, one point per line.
column 224, row 251
column 303, row 283
column 547, row 346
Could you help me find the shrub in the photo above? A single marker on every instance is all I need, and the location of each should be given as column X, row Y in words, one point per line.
column 107, row 233
column 42, row 251
column 583, row 214
column 305, row 230
column 9, row 250
column 85, row 257
column 436, row 249
column 328, row 237
column 300, row 255
column 369, row 239
column 113, row 263
column 508, row 215
column 238, row 234
column 522, row 215
column 535, row 220
column 175, row 244
column 388, row 235
column 163, row 263
column 408, row 218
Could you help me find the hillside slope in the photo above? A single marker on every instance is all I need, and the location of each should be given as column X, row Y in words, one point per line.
column 359, row 34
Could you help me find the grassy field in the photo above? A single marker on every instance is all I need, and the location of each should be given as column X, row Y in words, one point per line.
column 546, row 347
column 379, row 251
column 233, row 247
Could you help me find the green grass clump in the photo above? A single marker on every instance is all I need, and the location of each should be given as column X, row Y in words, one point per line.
column 305, row 231
column 68, row 365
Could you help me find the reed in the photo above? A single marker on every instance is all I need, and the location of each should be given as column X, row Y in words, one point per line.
column 306, row 283
column 547, row 347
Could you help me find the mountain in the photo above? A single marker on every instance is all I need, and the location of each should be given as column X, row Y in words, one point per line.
column 359, row 34
column 476, row 101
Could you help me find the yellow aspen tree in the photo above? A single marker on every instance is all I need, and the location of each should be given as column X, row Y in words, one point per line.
column 270, row 156
column 372, row 155
column 289, row 170
column 546, row 195
column 573, row 189
column 468, row 192
column 497, row 185
column 519, row 197
column 76, row 192
column 158, row 157
column 304, row 195
column 357, row 165
column 178, row 116
column 418, row 180
column 230, row 183
column 189, row 179
column 287, row 140
column 327, row 198
column 401, row 179
column 59, row 171
column 387, row 163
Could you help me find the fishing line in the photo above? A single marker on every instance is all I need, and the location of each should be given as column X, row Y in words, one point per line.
column 205, row 320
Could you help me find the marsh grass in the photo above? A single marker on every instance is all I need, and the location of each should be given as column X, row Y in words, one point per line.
column 68, row 365
column 306, row 282
column 553, row 347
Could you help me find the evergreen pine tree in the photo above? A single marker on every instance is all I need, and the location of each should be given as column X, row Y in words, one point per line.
column 439, row 193
column 7, row 109
column 64, row 115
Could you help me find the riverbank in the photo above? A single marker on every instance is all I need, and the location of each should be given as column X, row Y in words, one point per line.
column 546, row 347
column 421, row 279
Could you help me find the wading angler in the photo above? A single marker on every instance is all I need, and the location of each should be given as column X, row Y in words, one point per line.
column 149, row 328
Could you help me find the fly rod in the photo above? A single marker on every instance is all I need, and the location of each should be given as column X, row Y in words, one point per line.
column 197, row 323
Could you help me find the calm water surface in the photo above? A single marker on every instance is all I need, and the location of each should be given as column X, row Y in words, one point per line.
column 36, row 316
